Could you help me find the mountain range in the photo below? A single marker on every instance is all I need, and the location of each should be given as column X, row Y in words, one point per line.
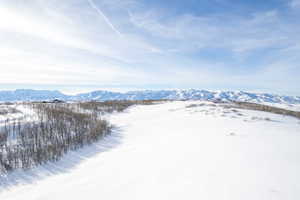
column 189, row 94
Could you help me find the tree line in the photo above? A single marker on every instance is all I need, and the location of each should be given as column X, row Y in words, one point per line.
column 55, row 130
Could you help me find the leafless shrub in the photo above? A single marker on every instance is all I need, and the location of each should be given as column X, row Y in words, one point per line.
column 57, row 131
column 265, row 108
column 192, row 105
column 111, row 106
column 59, row 128
column 7, row 103
column 3, row 111
column 8, row 110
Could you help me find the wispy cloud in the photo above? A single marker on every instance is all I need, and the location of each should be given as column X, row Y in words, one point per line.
column 104, row 17
column 138, row 43
column 295, row 3
column 262, row 30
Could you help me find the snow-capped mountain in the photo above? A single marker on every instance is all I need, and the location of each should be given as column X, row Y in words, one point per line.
column 31, row 95
column 191, row 94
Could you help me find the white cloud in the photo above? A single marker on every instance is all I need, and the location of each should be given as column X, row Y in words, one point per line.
column 190, row 32
column 15, row 22
column 295, row 3
column 46, row 43
column 70, row 42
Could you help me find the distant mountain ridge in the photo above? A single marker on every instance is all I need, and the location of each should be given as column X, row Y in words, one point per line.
column 189, row 94
column 31, row 95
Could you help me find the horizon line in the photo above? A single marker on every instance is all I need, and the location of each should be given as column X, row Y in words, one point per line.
column 143, row 90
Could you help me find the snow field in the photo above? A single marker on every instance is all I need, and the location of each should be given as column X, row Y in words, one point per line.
column 177, row 151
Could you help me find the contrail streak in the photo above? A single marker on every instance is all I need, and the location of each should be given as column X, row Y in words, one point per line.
column 92, row 4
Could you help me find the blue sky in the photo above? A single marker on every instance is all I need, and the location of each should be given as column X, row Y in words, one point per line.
column 83, row 45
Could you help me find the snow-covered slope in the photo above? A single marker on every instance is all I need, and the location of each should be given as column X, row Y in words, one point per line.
column 179, row 150
column 191, row 94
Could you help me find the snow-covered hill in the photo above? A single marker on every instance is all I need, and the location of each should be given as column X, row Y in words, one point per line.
column 176, row 150
column 191, row 94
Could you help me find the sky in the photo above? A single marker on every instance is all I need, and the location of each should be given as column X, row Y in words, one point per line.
column 119, row 45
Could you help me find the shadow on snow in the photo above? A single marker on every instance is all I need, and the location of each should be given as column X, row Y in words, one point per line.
column 67, row 163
